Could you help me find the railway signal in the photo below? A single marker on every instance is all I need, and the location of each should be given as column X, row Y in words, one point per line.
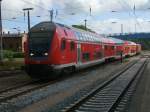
column 85, row 24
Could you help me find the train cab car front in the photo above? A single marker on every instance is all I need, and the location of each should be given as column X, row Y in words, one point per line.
column 39, row 49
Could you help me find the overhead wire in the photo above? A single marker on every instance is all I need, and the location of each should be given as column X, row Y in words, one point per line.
column 10, row 10
column 133, row 13
column 62, row 9
column 39, row 6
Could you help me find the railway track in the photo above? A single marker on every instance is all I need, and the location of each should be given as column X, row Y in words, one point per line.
column 8, row 73
column 8, row 94
column 106, row 97
column 145, row 56
column 21, row 89
column 13, row 92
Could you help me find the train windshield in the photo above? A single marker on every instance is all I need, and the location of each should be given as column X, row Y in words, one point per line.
column 39, row 42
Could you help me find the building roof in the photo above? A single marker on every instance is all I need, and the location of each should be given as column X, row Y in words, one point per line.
column 12, row 35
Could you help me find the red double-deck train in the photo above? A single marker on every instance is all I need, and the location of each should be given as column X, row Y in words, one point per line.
column 52, row 48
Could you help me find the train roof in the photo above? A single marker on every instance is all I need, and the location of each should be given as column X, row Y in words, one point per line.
column 81, row 35
column 90, row 36
column 130, row 43
column 117, row 41
column 43, row 26
column 133, row 43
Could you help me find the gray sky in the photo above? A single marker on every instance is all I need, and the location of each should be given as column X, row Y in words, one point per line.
column 75, row 11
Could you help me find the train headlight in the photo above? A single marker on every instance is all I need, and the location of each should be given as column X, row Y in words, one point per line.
column 46, row 54
column 31, row 54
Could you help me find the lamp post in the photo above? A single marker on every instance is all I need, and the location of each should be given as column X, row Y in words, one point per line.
column 28, row 10
column 1, row 37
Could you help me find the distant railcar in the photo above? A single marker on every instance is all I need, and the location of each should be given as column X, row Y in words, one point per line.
column 138, row 48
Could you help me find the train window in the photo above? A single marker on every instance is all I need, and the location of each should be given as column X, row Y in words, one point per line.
column 106, row 47
column 63, row 44
column 91, row 38
column 77, row 35
column 99, row 55
column 112, row 47
column 118, row 53
column 99, row 40
column 88, row 37
column 94, row 38
column 85, row 37
column 81, row 37
column 126, row 48
column 65, row 33
column 72, row 45
column 86, row 56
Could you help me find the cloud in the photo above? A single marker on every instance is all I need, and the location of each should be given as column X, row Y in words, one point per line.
column 73, row 6
column 74, row 11
column 130, row 25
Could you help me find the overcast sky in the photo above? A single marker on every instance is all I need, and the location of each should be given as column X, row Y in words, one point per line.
column 75, row 11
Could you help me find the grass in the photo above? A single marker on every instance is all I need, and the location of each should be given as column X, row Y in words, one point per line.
column 12, row 60
column 14, row 64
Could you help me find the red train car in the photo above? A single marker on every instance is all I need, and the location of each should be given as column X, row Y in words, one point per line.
column 130, row 48
column 133, row 46
column 109, row 48
column 52, row 48
column 119, row 47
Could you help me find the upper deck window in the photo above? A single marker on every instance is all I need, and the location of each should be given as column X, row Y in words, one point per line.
column 65, row 32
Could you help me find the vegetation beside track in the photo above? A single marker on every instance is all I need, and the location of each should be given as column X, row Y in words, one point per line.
column 12, row 60
column 14, row 64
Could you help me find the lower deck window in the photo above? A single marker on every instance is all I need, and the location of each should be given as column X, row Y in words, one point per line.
column 63, row 44
column 119, row 52
column 112, row 47
column 98, row 55
column 106, row 47
column 86, row 56
column 132, row 51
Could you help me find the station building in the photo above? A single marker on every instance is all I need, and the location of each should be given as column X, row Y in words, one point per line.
column 13, row 42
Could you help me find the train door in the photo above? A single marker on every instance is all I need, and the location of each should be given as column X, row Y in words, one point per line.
column 78, row 53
